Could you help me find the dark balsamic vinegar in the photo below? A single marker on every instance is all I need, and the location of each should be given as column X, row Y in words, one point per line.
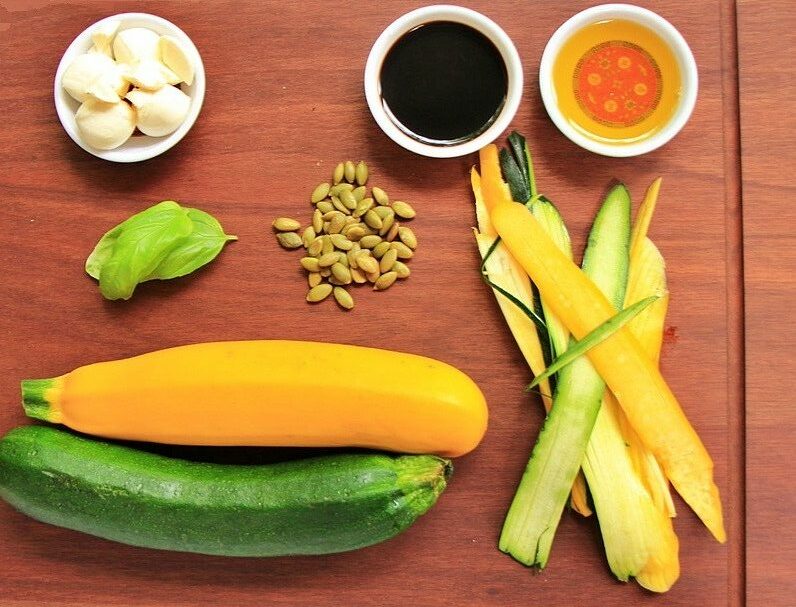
column 444, row 82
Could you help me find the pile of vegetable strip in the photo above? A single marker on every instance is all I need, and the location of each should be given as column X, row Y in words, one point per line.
column 592, row 338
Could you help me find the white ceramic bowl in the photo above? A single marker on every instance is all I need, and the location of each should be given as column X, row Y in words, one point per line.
column 654, row 22
column 456, row 14
column 138, row 147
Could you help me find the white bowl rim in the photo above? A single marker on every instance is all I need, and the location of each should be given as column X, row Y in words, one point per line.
column 142, row 147
column 456, row 14
column 662, row 27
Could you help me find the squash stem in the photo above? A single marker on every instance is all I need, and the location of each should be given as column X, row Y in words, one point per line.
column 37, row 399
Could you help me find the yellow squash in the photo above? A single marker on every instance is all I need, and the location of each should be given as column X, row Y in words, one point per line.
column 270, row 393
column 633, row 377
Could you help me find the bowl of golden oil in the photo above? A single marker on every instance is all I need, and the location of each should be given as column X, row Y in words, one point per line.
column 618, row 80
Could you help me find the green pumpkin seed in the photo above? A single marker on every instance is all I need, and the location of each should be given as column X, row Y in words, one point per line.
column 361, row 172
column 359, row 193
column 328, row 247
column 352, row 258
column 319, row 292
column 286, row 224
column 314, row 279
column 348, row 199
column 403, row 209
column 388, row 261
column 337, row 174
column 341, row 242
column 315, row 248
column 336, row 224
column 354, row 233
column 338, row 204
column 349, row 171
column 311, row 264
column 341, row 273
column 368, row 242
column 289, row 240
column 363, row 206
column 328, row 259
column 343, row 298
column 383, row 212
column 308, row 236
column 385, row 281
column 393, row 232
column 387, row 224
column 328, row 216
column 358, row 276
column 367, row 263
column 373, row 220
column 320, row 192
column 380, row 196
column 380, row 249
column 407, row 236
column 342, row 257
column 325, row 272
column 340, row 188
column 324, row 206
column 317, row 221
column 403, row 251
column 401, row 269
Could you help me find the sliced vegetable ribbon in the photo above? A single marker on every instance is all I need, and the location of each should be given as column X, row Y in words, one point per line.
column 601, row 333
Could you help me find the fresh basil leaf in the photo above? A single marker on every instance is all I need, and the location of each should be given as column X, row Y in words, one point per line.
column 200, row 247
column 142, row 243
column 102, row 252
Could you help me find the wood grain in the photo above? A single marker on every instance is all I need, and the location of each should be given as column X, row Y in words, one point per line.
column 284, row 104
column 767, row 79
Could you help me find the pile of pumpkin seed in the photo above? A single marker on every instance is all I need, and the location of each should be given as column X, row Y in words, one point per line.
column 355, row 236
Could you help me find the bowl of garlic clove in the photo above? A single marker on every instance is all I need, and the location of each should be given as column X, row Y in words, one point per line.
column 129, row 87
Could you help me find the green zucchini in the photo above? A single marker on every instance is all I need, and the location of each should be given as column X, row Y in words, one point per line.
column 321, row 505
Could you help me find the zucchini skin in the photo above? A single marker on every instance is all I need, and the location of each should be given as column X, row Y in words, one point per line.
column 321, row 505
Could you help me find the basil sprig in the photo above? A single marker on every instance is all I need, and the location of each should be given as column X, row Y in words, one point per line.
column 162, row 242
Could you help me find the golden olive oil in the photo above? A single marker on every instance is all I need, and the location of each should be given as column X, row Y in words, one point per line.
column 617, row 82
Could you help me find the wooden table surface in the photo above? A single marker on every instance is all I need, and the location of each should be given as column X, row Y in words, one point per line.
column 284, row 105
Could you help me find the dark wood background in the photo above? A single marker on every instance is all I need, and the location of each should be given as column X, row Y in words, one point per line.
column 284, row 104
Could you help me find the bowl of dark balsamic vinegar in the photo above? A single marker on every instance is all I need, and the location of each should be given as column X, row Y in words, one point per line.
column 443, row 81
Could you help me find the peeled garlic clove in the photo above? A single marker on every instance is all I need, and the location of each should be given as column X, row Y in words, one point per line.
column 175, row 57
column 102, row 37
column 171, row 77
column 110, row 87
column 105, row 126
column 160, row 112
column 148, row 75
column 135, row 44
column 84, row 71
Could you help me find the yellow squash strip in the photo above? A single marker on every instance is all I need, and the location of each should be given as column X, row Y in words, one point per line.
column 270, row 393
column 647, row 277
column 634, row 379
column 644, row 217
column 550, row 220
column 504, row 271
column 493, row 187
column 633, row 529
